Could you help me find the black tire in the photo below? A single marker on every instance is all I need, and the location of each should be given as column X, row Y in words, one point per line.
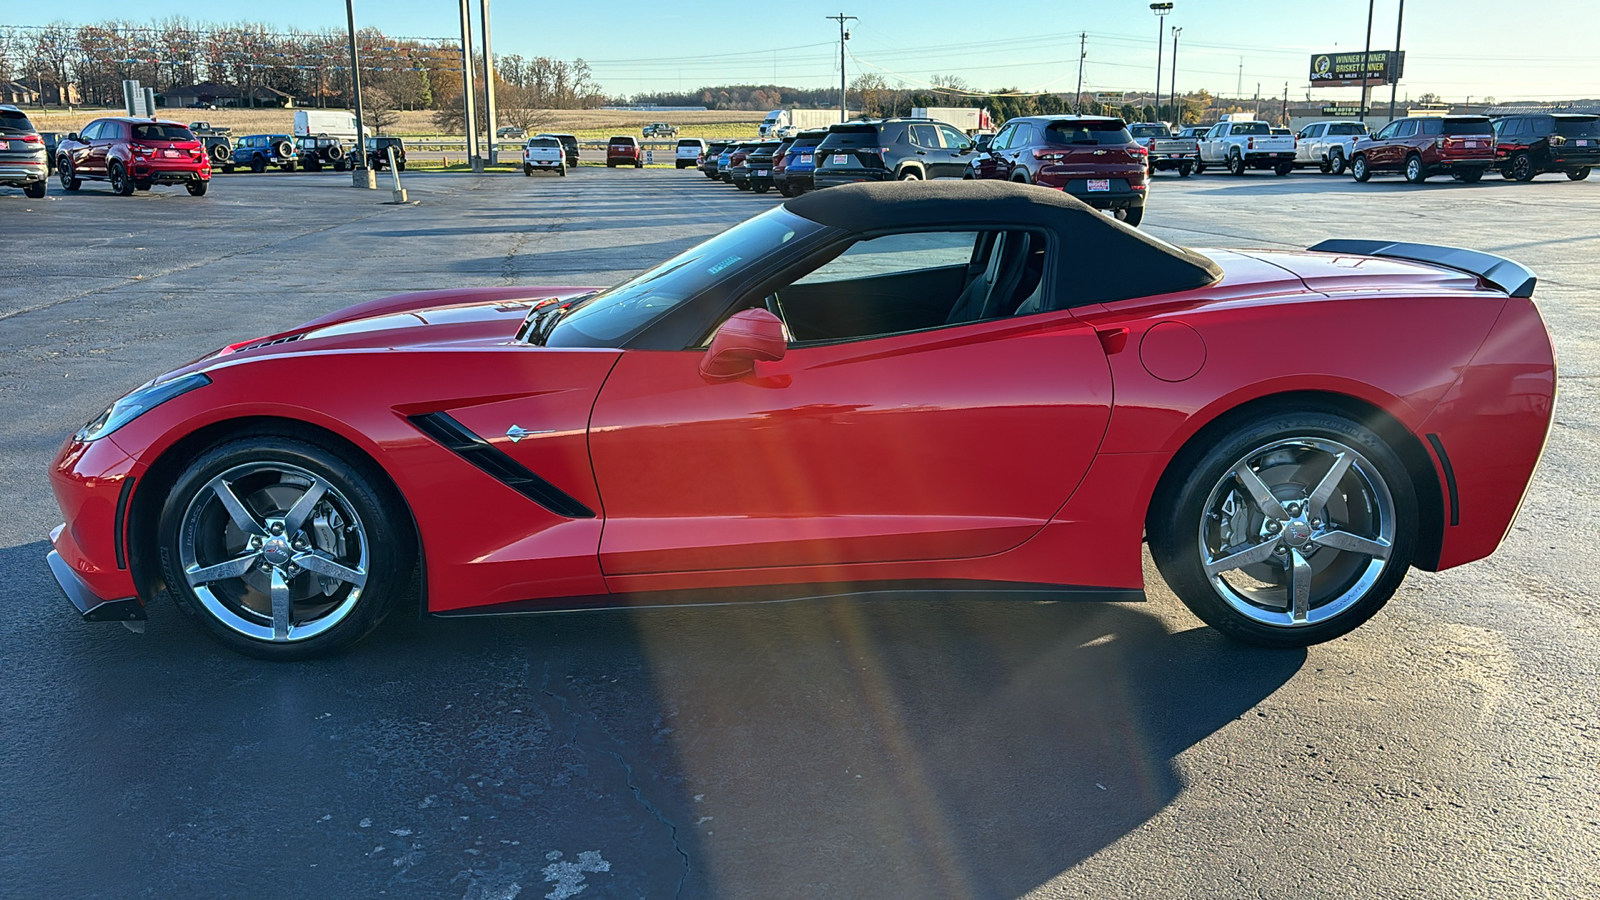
column 227, row 169
column 1374, row 495
column 742, row 185
column 335, row 152
column 341, row 165
column 258, row 164
column 1470, row 176
column 289, row 166
column 527, row 171
column 910, row 175
column 1199, row 168
column 401, row 165
column 283, row 149
column 1236, row 164
column 761, row 188
column 266, row 470
column 1522, row 168
column 1132, row 216
column 1359, row 170
column 1020, row 177
column 1185, row 170
column 1578, row 174
column 610, row 164
column 563, row 171
column 35, row 190
column 121, row 184
column 65, row 173
column 639, row 164
column 1336, row 163
column 219, row 152
column 1283, row 169
column 1325, row 168
column 1414, row 171
column 313, row 165
column 143, row 185
column 198, row 188
column 784, row 190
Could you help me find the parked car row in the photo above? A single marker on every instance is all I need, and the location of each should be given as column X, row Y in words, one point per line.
column 1093, row 158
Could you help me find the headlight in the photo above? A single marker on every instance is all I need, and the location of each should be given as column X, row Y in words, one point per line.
column 138, row 402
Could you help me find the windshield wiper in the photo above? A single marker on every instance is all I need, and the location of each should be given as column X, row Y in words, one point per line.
column 542, row 320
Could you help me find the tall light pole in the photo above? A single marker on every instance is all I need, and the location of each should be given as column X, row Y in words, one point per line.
column 1083, row 53
column 488, row 86
column 469, row 113
column 1161, row 10
column 360, row 175
column 1172, row 92
column 1366, row 55
column 1394, row 85
column 844, row 35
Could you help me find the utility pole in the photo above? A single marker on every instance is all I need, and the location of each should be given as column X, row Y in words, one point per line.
column 1172, row 92
column 360, row 175
column 1238, row 90
column 1285, row 114
column 1366, row 55
column 469, row 114
column 844, row 35
column 1161, row 10
column 1083, row 53
column 488, row 86
column 1394, row 86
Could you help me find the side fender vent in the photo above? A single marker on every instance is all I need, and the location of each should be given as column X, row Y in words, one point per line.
column 497, row 465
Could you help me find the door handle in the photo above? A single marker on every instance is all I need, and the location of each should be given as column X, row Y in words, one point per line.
column 922, row 153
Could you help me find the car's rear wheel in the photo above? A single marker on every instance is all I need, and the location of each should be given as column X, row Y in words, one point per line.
column 289, row 166
column 1236, row 164
column 258, row 164
column 1415, row 173
column 121, row 184
column 68, row 176
column 198, row 188
column 1522, row 167
column 1359, row 170
column 1283, row 169
column 1185, row 170
column 1199, row 168
column 1131, row 216
column 1470, row 176
column 35, row 190
column 1336, row 164
column 1288, row 529
column 282, row 548
column 1578, row 174
column 761, row 188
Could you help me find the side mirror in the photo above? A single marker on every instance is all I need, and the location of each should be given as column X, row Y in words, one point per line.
column 754, row 334
column 73, row 136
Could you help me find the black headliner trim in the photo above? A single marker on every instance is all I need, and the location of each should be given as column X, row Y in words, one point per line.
column 456, row 438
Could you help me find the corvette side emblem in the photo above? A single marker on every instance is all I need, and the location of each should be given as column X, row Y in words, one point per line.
column 517, row 433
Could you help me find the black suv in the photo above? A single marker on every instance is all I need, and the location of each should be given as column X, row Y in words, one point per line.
column 23, row 161
column 378, row 153
column 758, row 167
column 319, row 151
column 890, row 149
column 1528, row 146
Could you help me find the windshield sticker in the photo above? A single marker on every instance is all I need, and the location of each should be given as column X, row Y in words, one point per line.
column 724, row 264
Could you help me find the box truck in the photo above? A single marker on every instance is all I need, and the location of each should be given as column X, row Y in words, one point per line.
column 784, row 122
column 335, row 123
column 966, row 118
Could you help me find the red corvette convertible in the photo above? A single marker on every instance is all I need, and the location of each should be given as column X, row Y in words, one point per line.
column 930, row 388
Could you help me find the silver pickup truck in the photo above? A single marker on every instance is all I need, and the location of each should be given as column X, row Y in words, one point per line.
column 1249, row 144
column 1326, row 145
column 1166, row 151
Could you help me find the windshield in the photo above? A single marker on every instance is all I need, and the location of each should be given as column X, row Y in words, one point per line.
column 1088, row 131
column 545, row 142
column 610, row 317
column 1574, row 126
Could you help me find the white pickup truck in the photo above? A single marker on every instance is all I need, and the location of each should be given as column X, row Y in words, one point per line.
column 1250, row 144
column 544, row 153
column 1326, row 145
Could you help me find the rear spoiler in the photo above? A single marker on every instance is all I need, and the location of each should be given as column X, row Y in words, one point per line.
column 1513, row 278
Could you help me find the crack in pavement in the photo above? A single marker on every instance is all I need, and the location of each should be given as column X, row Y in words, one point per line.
column 638, row 794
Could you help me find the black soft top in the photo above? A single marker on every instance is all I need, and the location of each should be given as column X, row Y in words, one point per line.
column 1101, row 261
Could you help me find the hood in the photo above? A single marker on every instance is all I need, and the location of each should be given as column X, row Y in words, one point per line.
column 414, row 320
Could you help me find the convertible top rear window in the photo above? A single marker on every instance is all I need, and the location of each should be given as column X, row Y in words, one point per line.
column 159, row 132
column 1089, row 132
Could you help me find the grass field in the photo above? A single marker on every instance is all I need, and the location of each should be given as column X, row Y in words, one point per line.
column 587, row 124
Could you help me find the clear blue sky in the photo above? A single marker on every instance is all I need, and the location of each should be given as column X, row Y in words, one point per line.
column 1523, row 49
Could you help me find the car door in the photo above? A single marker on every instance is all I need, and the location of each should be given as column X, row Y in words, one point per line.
column 1382, row 152
column 943, row 442
column 81, row 152
column 106, row 140
column 957, row 152
column 1309, row 145
column 992, row 163
column 1214, row 145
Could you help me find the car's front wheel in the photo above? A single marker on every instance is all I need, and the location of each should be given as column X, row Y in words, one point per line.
column 1287, row 529
column 69, row 178
column 1359, row 170
column 282, row 548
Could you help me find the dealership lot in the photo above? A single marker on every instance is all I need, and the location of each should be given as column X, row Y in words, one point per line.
column 850, row 748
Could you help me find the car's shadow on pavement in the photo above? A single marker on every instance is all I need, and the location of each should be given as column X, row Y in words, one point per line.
column 838, row 748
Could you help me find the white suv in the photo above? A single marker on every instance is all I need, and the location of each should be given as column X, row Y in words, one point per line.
column 1326, row 145
column 689, row 152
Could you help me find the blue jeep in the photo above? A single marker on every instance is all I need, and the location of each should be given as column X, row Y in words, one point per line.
column 257, row 151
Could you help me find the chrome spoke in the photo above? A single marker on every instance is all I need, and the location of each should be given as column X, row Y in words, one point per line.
column 280, row 605
column 295, row 518
column 1259, row 492
column 1254, row 554
column 1378, row 548
column 236, row 509
column 233, row 568
column 1325, row 488
column 313, row 561
column 1299, row 587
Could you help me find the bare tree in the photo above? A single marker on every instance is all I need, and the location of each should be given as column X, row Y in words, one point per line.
column 378, row 109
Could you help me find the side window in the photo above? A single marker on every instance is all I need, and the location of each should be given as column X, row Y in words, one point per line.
column 1407, row 129
column 89, row 131
column 1003, row 139
column 1541, row 126
column 1025, row 137
column 926, row 136
column 1432, row 126
column 112, row 131
column 1387, row 132
column 953, row 139
column 914, row 281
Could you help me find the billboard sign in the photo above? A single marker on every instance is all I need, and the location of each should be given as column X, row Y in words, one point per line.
column 1344, row 69
column 1346, row 110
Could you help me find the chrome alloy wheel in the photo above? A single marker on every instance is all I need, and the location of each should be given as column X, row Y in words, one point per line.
column 274, row 552
column 1297, row 532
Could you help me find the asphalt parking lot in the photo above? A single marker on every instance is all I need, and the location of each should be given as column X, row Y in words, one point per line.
column 848, row 748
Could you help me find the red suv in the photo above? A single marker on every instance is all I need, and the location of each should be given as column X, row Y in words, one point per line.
column 623, row 150
column 1092, row 158
column 133, row 154
column 1459, row 146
